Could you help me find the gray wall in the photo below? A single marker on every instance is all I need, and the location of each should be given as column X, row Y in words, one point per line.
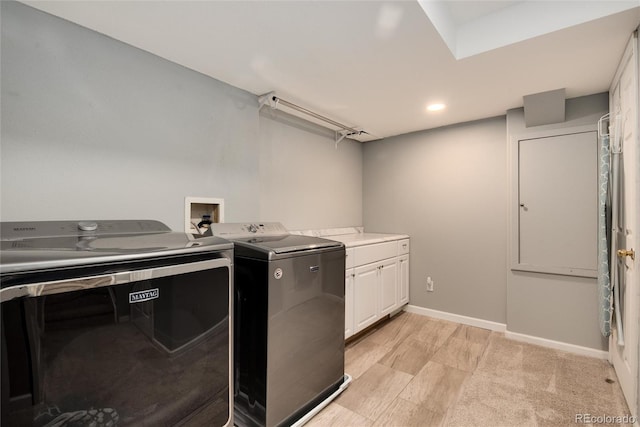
column 94, row 128
column 560, row 308
column 447, row 189
column 306, row 182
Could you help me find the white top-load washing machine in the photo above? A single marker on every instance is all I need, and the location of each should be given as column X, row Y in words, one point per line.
column 289, row 323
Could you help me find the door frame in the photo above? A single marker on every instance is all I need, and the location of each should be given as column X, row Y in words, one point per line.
column 514, row 197
column 631, row 384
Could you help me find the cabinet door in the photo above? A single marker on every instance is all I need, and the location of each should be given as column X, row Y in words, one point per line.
column 348, row 303
column 365, row 296
column 388, row 286
column 403, row 279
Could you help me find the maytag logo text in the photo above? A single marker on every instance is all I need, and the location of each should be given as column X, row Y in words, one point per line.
column 143, row 295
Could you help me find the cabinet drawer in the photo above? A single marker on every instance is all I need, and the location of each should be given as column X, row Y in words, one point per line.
column 403, row 246
column 377, row 252
column 349, row 260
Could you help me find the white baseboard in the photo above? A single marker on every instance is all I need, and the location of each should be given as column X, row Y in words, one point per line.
column 558, row 345
column 471, row 321
column 501, row 327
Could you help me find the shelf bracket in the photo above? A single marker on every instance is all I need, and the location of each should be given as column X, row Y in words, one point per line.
column 340, row 135
column 267, row 99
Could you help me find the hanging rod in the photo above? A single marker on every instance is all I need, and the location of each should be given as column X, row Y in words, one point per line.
column 344, row 131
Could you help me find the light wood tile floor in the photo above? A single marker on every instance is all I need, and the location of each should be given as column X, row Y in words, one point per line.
column 419, row 371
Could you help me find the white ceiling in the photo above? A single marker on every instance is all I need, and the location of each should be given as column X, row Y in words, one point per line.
column 375, row 65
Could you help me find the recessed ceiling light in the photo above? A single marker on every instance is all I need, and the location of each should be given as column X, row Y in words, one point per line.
column 436, row 107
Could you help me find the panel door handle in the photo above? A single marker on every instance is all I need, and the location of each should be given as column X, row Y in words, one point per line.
column 630, row 253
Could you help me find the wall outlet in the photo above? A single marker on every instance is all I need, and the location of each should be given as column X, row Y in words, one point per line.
column 429, row 284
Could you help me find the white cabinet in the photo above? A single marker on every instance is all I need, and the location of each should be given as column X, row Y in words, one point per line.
column 365, row 296
column 367, row 254
column 348, row 302
column 403, row 279
column 403, row 246
column 388, row 285
column 376, row 282
column 350, row 258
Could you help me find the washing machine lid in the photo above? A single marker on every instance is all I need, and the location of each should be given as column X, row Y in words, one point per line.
column 40, row 245
column 286, row 244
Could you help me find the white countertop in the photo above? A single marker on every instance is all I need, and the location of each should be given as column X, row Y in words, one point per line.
column 351, row 236
column 360, row 239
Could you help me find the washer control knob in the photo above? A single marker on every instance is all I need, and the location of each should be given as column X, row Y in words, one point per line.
column 253, row 228
column 87, row 226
